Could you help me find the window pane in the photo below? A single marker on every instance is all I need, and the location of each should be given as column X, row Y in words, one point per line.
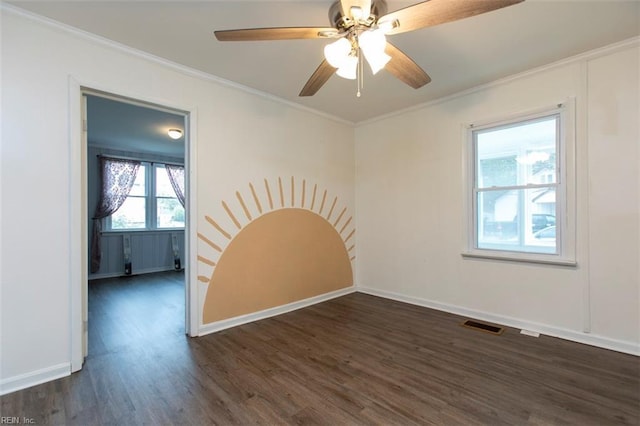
column 139, row 187
column 131, row 215
column 163, row 184
column 517, row 154
column 498, row 171
column 517, row 220
column 170, row 213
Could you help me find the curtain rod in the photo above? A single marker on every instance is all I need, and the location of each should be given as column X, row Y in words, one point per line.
column 122, row 157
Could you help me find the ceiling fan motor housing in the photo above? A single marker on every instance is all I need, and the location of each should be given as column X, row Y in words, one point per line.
column 342, row 22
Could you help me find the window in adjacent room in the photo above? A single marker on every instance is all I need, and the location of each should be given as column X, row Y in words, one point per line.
column 132, row 213
column 519, row 186
column 169, row 213
column 151, row 204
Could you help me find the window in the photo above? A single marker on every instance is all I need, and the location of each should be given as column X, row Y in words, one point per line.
column 132, row 213
column 151, row 204
column 518, row 188
column 169, row 211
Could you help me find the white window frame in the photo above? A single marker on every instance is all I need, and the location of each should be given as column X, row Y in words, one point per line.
column 150, row 204
column 565, row 189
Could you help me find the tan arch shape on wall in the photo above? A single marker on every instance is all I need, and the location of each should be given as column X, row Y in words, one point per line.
column 281, row 257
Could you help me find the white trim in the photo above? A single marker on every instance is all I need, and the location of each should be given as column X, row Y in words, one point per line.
column 581, row 177
column 33, row 378
column 549, row 330
column 271, row 312
column 192, row 309
column 183, row 69
column 585, row 56
column 135, row 272
column 565, row 186
column 78, row 233
column 520, row 257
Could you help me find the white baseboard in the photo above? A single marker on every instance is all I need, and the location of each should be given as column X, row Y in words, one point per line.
column 23, row 381
column 117, row 274
column 562, row 333
column 267, row 313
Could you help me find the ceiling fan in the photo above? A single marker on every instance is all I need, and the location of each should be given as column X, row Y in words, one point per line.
column 360, row 28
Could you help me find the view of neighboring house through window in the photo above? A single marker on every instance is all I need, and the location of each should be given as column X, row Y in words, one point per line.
column 151, row 204
column 517, row 185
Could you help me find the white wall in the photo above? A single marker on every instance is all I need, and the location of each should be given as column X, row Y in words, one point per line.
column 409, row 195
column 240, row 137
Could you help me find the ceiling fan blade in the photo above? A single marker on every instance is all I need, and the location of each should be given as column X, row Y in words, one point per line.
column 318, row 79
column 403, row 68
column 434, row 12
column 364, row 5
column 284, row 33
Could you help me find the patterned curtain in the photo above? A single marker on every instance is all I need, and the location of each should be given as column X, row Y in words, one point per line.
column 176, row 176
column 118, row 177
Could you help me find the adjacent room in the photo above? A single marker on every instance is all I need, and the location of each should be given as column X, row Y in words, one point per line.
column 367, row 212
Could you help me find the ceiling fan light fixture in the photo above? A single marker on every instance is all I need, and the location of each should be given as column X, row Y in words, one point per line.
column 377, row 60
column 372, row 40
column 175, row 133
column 388, row 25
column 337, row 53
column 373, row 44
column 356, row 13
column 349, row 68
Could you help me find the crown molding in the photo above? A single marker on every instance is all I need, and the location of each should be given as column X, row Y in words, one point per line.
column 581, row 57
column 183, row 69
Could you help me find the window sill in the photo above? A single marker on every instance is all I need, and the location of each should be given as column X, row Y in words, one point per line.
column 521, row 258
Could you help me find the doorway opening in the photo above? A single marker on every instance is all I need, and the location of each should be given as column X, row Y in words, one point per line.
column 144, row 243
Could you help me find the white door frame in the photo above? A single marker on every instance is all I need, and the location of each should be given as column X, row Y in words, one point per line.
column 78, row 217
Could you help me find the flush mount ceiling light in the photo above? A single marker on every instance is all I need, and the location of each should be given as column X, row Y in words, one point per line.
column 175, row 133
column 361, row 27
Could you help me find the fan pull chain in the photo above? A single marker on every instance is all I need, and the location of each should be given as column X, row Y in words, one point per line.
column 360, row 73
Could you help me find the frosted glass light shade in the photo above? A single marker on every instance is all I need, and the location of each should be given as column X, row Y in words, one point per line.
column 337, row 52
column 349, row 68
column 376, row 60
column 372, row 40
column 373, row 44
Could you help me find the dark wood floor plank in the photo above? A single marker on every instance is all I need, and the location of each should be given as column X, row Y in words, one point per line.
column 354, row 360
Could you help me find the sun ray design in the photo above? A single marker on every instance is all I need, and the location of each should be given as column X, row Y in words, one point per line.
column 333, row 205
column 313, row 197
column 244, row 206
column 255, row 198
column 231, row 216
column 266, row 185
column 345, row 225
column 324, row 198
column 210, row 243
column 281, row 192
column 207, row 261
column 218, row 227
column 349, row 236
column 339, row 217
column 304, row 184
column 245, row 273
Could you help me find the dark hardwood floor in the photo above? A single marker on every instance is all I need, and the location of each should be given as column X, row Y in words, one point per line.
column 354, row 360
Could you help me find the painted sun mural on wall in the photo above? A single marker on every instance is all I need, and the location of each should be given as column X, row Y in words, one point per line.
column 299, row 245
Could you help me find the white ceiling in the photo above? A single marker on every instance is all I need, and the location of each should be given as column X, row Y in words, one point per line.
column 457, row 55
